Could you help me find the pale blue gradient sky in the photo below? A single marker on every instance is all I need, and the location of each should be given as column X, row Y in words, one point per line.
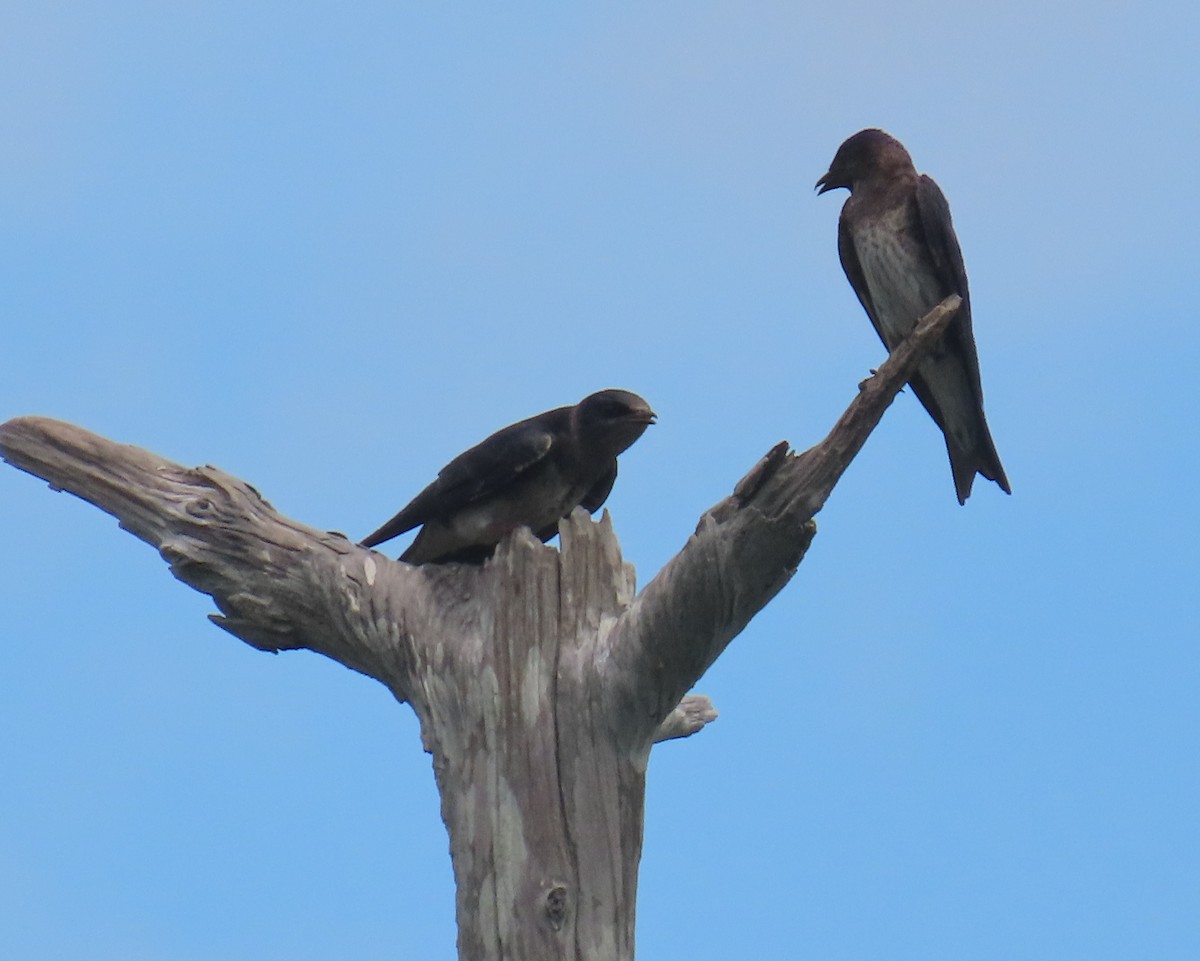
column 327, row 247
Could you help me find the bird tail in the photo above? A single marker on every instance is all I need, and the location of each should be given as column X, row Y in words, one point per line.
column 393, row 528
column 981, row 459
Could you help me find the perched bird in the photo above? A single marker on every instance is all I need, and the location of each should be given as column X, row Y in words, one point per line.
column 530, row 474
column 901, row 256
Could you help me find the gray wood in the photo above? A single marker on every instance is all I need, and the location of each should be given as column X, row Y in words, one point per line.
column 541, row 679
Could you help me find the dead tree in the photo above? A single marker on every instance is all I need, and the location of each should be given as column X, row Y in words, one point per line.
column 541, row 679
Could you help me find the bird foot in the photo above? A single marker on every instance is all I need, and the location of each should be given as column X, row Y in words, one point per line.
column 862, row 384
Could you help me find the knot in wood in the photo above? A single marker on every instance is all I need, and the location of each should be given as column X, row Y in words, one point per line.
column 199, row 507
column 556, row 906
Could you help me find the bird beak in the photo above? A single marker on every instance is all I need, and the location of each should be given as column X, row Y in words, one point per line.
column 821, row 186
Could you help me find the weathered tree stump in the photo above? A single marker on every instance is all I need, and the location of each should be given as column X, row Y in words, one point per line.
column 541, row 678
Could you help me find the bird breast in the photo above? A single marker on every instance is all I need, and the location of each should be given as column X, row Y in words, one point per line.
column 902, row 284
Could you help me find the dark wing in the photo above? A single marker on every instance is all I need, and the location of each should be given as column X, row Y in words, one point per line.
column 940, row 239
column 854, row 273
column 600, row 490
column 947, row 259
column 942, row 244
column 486, row 469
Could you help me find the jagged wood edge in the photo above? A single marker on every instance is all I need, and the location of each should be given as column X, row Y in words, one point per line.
column 744, row 551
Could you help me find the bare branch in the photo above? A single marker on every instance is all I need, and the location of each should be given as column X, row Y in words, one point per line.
column 278, row 584
column 689, row 716
column 745, row 549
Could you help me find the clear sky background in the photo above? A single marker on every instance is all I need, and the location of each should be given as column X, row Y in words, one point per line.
column 327, row 247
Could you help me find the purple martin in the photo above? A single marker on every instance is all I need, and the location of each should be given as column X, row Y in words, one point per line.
column 899, row 251
column 530, row 474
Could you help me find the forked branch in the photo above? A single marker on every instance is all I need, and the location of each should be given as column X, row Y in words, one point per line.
column 541, row 678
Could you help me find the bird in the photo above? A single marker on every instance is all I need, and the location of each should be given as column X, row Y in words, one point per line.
column 530, row 474
column 898, row 248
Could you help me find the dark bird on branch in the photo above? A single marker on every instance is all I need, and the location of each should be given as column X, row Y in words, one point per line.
column 901, row 256
column 530, row 474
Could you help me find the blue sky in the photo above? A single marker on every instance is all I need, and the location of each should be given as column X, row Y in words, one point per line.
column 328, row 247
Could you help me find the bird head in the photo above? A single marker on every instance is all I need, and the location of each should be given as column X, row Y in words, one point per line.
column 609, row 421
column 868, row 153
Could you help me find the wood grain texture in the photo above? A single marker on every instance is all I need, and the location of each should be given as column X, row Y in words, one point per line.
column 541, row 678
